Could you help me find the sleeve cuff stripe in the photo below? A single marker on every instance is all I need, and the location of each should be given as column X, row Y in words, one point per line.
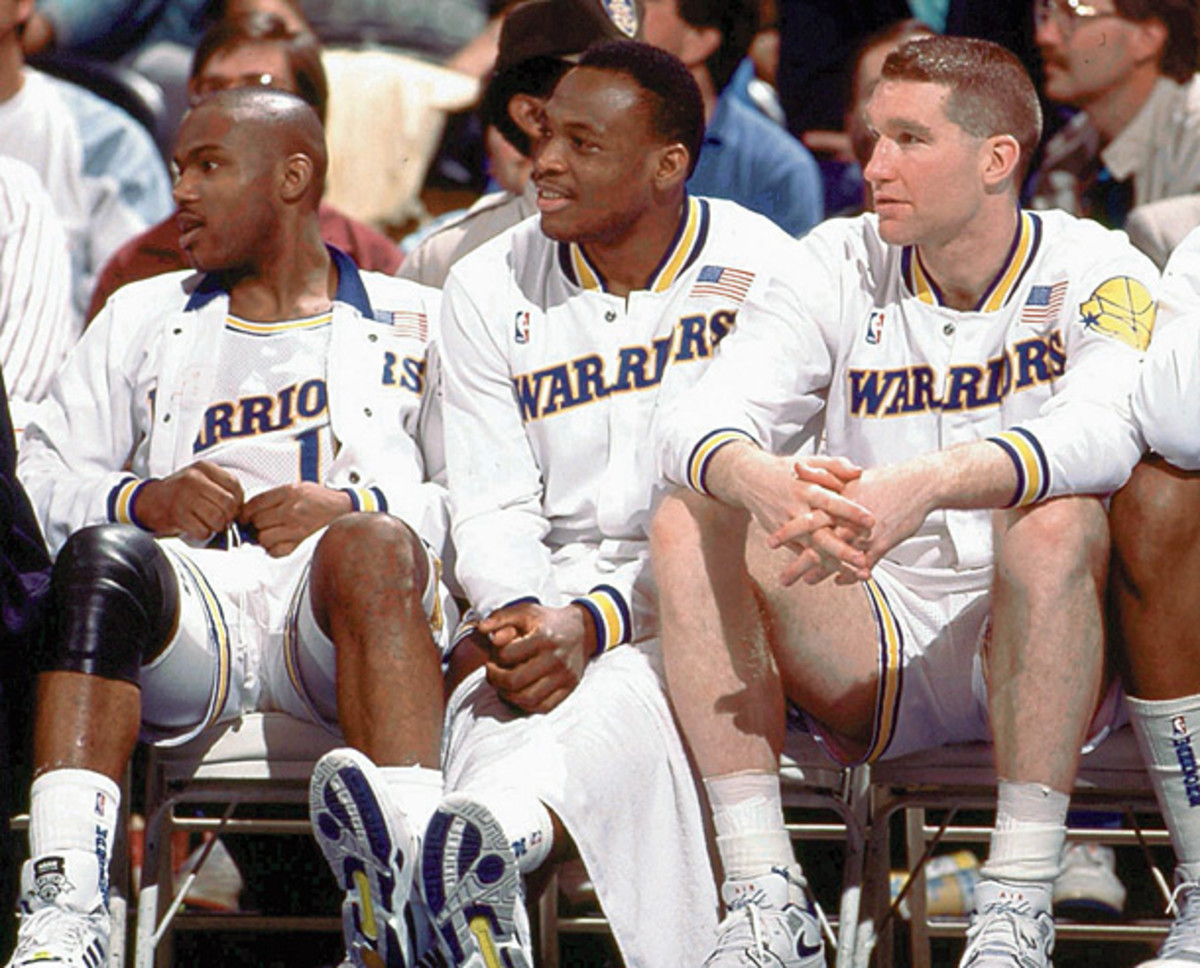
column 618, row 623
column 703, row 452
column 1033, row 471
column 120, row 502
column 366, row 498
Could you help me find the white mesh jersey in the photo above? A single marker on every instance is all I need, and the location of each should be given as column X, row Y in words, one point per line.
column 268, row 423
column 1166, row 404
column 553, row 390
column 856, row 334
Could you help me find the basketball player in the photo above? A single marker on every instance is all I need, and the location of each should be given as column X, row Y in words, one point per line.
column 1155, row 568
column 969, row 362
column 212, row 469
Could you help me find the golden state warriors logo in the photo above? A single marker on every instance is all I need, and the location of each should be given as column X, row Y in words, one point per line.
column 1123, row 309
column 623, row 14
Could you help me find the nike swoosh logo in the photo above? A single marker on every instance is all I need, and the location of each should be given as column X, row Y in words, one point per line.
column 804, row 951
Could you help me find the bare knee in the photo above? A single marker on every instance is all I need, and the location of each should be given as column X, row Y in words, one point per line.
column 1052, row 546
column 1155, row 522
column 686, row 522
column 362, row 552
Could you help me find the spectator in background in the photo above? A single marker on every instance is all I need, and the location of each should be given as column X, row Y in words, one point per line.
column 1133, row 149
column 535, row 40
column 38, row 323
column 257, row 48
column 746, row 157
column 847, row 151
column 100, row 167
column 432, row 29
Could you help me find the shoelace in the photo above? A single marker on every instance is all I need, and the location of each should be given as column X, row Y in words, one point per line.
column 53, row 928
column 994, row 916
column 1184, row 935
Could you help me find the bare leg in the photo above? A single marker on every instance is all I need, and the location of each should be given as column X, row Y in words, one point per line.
column 1046, row 656
column 725, row 683
column 1156, row 559
column 85, row 722
column 368, row 576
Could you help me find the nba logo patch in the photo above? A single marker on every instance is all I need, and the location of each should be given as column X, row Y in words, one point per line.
column 101, row 802
column 875, row 328
column 1179, row 726
column 623, row 15
column 521, row 326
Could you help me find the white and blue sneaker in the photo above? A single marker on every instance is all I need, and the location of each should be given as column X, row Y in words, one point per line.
column 373, row 856
column 64, row 920
column 1181, row 949
column 1011, row 926
column 770, row 923
column 473, row 888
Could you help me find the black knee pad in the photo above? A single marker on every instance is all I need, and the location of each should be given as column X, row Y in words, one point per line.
column 113, row 603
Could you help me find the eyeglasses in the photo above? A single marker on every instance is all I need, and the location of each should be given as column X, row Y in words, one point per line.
column 211, row 84
column 1067, row 14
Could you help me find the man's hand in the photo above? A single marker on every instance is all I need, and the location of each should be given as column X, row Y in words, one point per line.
column 195, row 502
column 801, row 505
column 284, row 516
column 538, row 653
column 899, row 497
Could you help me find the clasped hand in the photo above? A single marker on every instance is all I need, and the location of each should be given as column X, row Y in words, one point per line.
column 537, row 653
column 203, row 499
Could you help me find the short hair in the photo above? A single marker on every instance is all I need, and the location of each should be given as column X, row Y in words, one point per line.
column 1180, row 57
column 737, row 22
column 290, row 123
column 301, row 48
column 991, row 93
column 671, row 93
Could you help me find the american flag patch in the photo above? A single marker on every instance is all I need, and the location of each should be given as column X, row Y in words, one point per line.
column 406, row 322
column 721, row 281
column 1043, row 304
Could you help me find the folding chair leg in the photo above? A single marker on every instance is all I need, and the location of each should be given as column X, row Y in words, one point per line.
column 914, row 833
column 548, row 942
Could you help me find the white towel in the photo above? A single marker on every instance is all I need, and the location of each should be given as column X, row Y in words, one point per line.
column 609, row 761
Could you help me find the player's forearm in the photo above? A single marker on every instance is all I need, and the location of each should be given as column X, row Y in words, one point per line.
column 969, row 476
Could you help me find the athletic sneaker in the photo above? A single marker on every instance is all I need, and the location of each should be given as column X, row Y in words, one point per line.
column 1088, row 884
column 1181, row 949
column 373, row 855
column 64, row 920
column 770, row 924
column 1011, row 926
column 473, row 888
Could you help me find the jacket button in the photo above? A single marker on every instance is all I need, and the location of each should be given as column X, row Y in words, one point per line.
column 354, row 478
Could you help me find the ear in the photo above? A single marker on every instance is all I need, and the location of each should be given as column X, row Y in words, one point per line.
column 525, row 110
column 1150, row 37
column 297, row 177
column 1001, row 157
column 672, row 167
column 699, row 44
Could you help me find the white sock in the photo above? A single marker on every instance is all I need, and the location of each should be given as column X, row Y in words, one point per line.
column 526, row 823
column 74, row 810
column 1031, row 828
column 1166, row 731
column 747, row 811
column 417, row 790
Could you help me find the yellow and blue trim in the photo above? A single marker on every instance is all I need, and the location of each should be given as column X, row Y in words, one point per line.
column 702, row 454
column 1027, row 240
column 121, row 500
column 291, row 651
column 611, row 616
column 1032, row 466
column 891, row 671
column 218, row 636
column 249, row 327
column 366, row 498
column 684, row 249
